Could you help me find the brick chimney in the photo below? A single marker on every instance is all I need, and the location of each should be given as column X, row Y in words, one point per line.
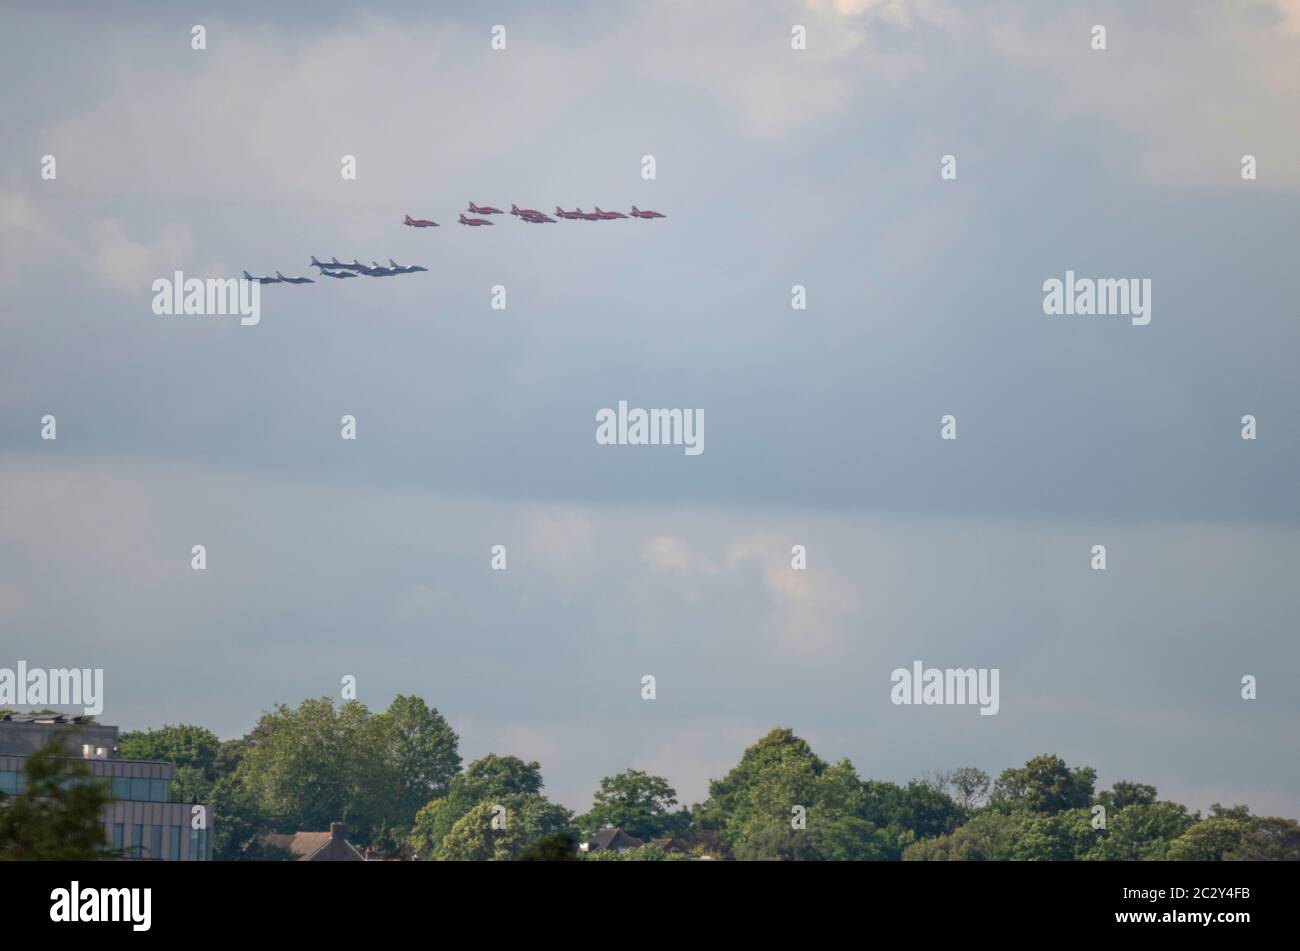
column 338, row 833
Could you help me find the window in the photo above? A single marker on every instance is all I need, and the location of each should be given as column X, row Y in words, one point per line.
column 137, row 841
column 9, row 781
column 121, row 787
column 140, row 790
column 198, row 845
column 158, row 790
column 155, row 850
column 117, row 838
column 174, row 853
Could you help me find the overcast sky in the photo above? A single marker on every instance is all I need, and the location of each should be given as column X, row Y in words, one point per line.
column 476, row 426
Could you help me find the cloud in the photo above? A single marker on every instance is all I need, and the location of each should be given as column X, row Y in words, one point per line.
column 1289, row 11
column 1098, row 666
column 32, row 237
column 806, row 612
column 561, row 536
column 28, row 236
column 812, row 607
column 675, row 556
column 128, row 265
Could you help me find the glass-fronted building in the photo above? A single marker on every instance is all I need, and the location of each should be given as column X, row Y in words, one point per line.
column 141, row 822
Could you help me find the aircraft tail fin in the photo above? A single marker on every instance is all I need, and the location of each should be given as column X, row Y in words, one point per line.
column 279, row 275
column 247, row 276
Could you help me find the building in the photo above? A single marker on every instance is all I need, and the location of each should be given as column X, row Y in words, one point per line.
column 610, row 839
column 140, row 822
column 331, row 846
column 702, row 841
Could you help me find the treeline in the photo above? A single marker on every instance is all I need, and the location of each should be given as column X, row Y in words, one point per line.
column 397, row 780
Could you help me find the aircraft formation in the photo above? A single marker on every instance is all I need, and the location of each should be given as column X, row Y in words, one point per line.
column 337, row 269
column 531, row 216
column 278, row 279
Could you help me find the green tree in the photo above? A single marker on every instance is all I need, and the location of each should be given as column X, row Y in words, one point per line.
column 638, row 803
column 237, row 822
column 1011, row 835
column 844, row 818
column 1124, row 794
column 1140, row 831
column 316, row 764
column 559, row 847
column 1218, row 811
column 1052, row 837
column 501, row 831
column 190, row 747
column 970, row 786
column 1209, row 840
column 58, row 816
column 491, row 781
column 422, row 752
column 481, row 836
column 647, row 853
column 743, row 799
column 991, row 836
column 1267, row 840
column 1045, row 784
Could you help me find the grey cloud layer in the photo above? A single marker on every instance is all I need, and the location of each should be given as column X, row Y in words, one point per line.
column 476, row 427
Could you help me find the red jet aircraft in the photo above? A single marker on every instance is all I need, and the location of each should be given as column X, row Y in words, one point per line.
column 474, row 222
column 608, row 215
column 420, row 222
column 637, row 213
column 485, row 210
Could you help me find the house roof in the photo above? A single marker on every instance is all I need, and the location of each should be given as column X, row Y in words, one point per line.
column 315, row 847
column 612, row 837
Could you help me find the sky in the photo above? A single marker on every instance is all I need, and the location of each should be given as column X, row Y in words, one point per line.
column 819, row 167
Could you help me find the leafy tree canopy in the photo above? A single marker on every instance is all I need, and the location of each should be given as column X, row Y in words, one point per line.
column 58, row 816
column 1045, row 784
column 638, row 803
